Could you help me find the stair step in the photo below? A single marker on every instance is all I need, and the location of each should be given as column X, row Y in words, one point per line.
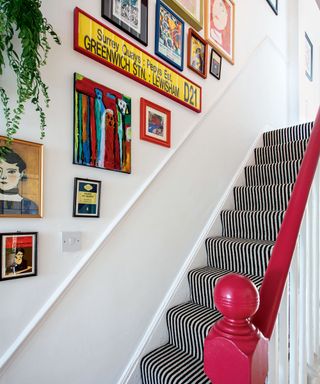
column 293, row 150
column 262, row 197
column 188, row 325
column 267, row 174
column 255, row 225
column 203, row 280
column 169, row 365
column 239, row 255
column 284, row 135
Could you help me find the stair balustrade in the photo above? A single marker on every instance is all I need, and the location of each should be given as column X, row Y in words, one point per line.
column 294, row 347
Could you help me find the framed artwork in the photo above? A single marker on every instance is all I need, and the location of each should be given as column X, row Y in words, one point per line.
column 102, row 126
column 215, row 64
column 197, row 53
column 308, row 57
column 219, row 26
column 274, row 5
column 131, row 16
column 155, row 123
column 86, row 198
column 169, row 41
column 190, row 10
column 21, row 180
column 18, row 255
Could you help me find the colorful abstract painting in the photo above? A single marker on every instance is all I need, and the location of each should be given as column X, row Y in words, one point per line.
column 102, row 126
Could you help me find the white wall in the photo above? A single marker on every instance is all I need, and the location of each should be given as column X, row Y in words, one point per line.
column 90, row 334
column 309, row 91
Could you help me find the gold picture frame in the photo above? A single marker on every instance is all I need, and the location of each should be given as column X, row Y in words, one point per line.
column 21, row 179
column 219, row 26
column 195, row 20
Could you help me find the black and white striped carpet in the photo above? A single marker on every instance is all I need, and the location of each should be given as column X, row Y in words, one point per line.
column 248, row 235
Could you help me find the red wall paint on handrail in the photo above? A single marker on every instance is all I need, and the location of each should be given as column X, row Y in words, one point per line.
column 278, row 267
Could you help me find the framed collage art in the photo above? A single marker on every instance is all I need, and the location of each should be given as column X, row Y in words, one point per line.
column 169, row 38
column 190, row 10
column 18, row 255
column 131, row 16
column 155, row 123
column 21, row 179
column 197, row 53
column 219, row 26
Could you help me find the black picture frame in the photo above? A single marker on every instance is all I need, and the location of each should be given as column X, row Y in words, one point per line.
column 309, row 57
column 110, row 13
column 215, row 64
column 86, row 197
column 18, row 255
column 274, row 5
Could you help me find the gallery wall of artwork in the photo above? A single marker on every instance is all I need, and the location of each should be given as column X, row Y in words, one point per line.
column 80, row 180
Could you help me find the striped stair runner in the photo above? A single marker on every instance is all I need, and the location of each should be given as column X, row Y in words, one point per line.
column 248, row 235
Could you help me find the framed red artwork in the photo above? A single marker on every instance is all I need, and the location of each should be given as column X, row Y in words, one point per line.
column 219, row 26
column 155, row 123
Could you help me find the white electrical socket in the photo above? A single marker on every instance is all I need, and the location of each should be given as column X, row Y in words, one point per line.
column 71, row 241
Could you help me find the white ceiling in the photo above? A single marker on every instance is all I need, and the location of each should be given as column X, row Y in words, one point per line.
column 318, row 2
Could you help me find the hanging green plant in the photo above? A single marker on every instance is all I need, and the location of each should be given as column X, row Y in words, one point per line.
column 23, row 19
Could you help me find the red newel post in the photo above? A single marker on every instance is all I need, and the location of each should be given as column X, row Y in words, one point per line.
column 235, row 351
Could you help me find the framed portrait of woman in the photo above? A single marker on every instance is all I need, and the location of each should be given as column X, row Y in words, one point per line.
column 18, row 255
column 190, row 10
column 219, row 26
column 21, row 179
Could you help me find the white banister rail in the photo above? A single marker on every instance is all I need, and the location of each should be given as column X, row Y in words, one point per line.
column 294, row 350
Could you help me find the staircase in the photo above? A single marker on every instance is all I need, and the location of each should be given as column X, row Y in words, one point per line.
column 248, row 235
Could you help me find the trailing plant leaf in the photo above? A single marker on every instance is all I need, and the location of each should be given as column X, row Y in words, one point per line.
column 23, row 18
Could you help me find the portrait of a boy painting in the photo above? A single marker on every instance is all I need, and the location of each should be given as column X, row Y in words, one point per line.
column 21, row 179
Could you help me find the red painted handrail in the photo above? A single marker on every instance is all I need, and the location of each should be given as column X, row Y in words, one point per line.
column 278, row 267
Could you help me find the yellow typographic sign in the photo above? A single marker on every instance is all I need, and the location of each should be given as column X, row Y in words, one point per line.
column 109, row 48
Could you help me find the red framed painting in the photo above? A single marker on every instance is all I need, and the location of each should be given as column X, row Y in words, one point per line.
column 220, row 26
column 155, row 123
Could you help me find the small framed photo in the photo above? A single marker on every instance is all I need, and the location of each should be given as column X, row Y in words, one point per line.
column 18, row 255
column 308, row 57
column 219, row 26
column 197, row 53
column 215, row 64
column 21, row 179
column 86, row 198
column 274, row 5
column 131, row 16
column 169, row 39
column 155, row 123
column 190, row 10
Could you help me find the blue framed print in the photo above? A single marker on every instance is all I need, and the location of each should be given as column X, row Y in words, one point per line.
column 169, row 39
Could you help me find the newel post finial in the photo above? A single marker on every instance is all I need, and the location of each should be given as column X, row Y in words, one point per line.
column 235, row 351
